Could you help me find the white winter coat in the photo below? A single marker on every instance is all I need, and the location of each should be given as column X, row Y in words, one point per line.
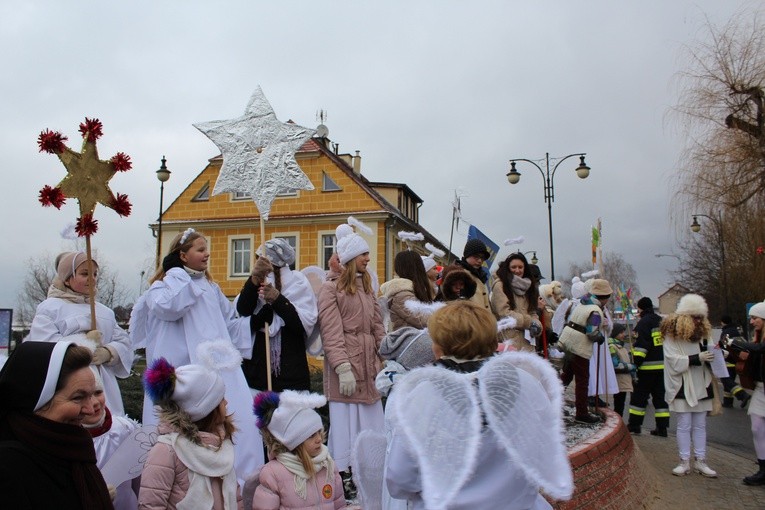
column 678, row 372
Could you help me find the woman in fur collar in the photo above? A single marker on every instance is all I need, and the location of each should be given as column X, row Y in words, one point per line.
column 688, row 379
column 515, row 293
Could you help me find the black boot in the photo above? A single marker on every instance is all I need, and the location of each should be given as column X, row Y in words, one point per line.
column 727, row 402
column 659, row 431
column 744, row 397
column 759, row 477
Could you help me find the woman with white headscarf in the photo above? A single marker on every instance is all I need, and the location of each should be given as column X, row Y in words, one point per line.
column 65, row 315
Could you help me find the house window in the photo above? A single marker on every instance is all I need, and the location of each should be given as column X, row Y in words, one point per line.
column 203, row 194
column 328, row 244
column 327, row 184
column 240, row 195
column 241, row 254
column 292, row 240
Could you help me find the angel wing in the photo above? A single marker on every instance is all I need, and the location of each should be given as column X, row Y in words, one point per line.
column 384, row 311
column 522, row 398
column 430, row 398
column 316, row 277
column 368, row 460
column 375, row 280
column 561, row 314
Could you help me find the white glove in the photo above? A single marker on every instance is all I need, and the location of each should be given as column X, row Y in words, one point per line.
column 112, row 491
column 706, row 356
column 101, row 355
column 347, row 381
column 95, row 336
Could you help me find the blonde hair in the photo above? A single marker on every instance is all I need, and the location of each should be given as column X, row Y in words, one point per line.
column 176, row 245
column 347, row 280
column 464, row 330
column 683, row 327
column 275, row 447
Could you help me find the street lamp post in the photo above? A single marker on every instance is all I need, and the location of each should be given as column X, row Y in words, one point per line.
column 696, row 227
column 534, row 258
column 163, row 174
column 548, row 180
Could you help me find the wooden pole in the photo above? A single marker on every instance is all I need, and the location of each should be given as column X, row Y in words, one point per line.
column 91, row 284
column 268, row 339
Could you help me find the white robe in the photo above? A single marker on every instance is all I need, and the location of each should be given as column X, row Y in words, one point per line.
column 57, row 319
column 106, row 444
column 606, row 380
column 171, row 319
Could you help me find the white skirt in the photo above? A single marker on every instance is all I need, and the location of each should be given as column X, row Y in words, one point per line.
column 757, row 404
column 345, row 423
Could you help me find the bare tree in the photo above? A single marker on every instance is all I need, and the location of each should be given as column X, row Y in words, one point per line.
column 34, row 289
column 615, row 269
column 722, row 107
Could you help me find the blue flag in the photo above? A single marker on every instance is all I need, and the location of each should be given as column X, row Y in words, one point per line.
column 474, row 233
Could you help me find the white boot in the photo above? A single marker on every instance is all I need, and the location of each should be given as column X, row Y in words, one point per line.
column 683, row 468
column 701, row 467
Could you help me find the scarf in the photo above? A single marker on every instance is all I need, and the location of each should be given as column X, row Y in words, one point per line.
column 69, row 443
column 57, row 289
column 520, row 285
column 102, row 427
column 479, row 273
column 204, row 463
column 294, row 466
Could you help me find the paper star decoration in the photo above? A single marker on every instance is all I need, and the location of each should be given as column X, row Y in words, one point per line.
column 258, row 153
column 87, row 177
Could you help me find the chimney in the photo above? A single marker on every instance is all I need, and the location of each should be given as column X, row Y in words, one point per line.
column 357, row 164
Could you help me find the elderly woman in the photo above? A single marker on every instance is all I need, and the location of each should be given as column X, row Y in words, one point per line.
column 65, row 315
column 46, row 390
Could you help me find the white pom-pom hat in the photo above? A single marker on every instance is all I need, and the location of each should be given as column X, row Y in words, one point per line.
column 295, row 420
column 349, row 244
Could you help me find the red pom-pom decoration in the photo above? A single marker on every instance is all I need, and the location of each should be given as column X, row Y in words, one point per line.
column 121, row 162
column 51, row 142
column 159, row 380
column 86, row 226
column 52, row 196
column 121, row 205
column 92, row 128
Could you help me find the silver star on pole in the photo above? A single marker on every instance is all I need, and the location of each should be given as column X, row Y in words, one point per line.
column 258, row 153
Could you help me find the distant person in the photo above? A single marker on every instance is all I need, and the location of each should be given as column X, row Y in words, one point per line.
column 688, row 379
column 623, row 366
column 433, row 271
column 753, row 353
column 731, row 390
column 648, row 354
column 65, row 315
column 456, row 284
column 411, row 283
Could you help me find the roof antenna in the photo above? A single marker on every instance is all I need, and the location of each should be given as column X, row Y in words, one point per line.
column 322, row 131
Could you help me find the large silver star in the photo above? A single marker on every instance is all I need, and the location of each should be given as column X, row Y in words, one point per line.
column 258, row 153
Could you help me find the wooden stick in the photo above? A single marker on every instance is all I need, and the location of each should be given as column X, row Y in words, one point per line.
column 91, row 284
column 268, row 339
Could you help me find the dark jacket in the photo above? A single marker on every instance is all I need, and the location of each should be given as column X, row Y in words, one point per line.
column 648, row 351
column 293, row 368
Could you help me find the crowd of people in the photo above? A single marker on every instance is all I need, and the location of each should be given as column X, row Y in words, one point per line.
column 227, row 385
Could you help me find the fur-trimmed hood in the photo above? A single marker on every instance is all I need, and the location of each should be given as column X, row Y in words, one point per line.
column 454, row 274
column 396, row 285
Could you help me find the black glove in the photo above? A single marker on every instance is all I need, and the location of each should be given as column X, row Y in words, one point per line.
column 171, row 260
column 599, row 338
column 258, row 320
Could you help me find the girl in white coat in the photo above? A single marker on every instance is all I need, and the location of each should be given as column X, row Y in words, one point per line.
column 65, row 315
column 183, row 309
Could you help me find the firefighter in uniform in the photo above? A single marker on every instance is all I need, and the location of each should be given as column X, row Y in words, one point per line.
column 730, row 388
column 648, row 354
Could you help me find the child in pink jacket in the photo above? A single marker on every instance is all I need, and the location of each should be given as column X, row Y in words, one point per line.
column 192, row 463
column 301, row 473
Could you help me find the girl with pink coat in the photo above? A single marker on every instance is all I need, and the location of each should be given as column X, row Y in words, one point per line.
column 301, row 473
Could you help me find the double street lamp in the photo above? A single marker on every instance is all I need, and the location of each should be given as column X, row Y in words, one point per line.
column 163, row 174
column 696, row 227
column 548, row 180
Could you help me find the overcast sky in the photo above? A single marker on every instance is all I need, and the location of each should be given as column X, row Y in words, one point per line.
column 435, row 94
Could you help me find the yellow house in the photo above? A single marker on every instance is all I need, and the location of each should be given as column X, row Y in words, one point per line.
column 307, row 219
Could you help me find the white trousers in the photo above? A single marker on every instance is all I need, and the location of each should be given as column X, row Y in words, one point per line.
column 692, row 426
column 345, row 423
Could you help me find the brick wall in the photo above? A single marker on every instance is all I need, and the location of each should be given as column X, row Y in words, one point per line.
column 609, row 471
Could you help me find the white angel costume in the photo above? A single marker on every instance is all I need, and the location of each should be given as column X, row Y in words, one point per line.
column 603, row 376
column 60, row 319
column 489, row 439
column 175, row 316
column 106, row 444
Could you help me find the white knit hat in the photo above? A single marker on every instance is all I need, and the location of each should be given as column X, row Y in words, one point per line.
column 198, row 390
column 692, row 304
column 757, row 310
column 295, row 420
column 429, row 263
column 349, row 244
column 577, row 288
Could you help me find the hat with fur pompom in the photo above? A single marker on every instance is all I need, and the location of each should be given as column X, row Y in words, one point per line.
column 349, row 244
column 692, row 304
column 196, row 389
column 289, row 416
